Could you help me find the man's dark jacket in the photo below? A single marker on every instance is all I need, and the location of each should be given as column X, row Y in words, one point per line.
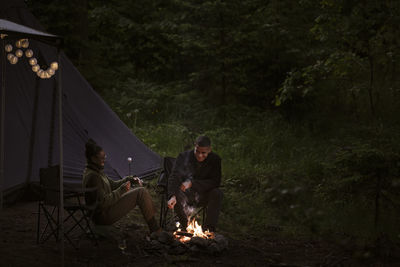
column 204, row 175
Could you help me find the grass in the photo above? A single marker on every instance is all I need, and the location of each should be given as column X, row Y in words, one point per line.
column 277, row 175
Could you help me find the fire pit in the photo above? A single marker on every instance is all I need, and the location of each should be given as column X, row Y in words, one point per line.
column 193, row 230
column 193, row 240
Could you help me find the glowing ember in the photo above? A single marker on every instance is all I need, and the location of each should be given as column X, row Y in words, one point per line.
column 194, row 229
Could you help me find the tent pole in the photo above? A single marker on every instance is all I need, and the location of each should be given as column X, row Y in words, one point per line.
column 60, row 121
column 3, row 111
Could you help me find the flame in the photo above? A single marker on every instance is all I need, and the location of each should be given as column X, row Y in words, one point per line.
column 195, row 229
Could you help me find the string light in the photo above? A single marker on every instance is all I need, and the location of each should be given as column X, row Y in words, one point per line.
column 35, row 68
column 24, row 43
column 19, row 53
column 51, row 71
column 54, row 65
column 29, row 53
column 18, row 43
column 32, row 61
column 39, row 73
column 8, row 48
column 14, row 60
column 48, row 74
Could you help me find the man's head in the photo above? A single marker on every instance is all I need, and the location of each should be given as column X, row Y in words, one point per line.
column 202, row 147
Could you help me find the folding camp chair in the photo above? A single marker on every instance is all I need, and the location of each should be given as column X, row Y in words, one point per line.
column 78, row 213
column 166, row 216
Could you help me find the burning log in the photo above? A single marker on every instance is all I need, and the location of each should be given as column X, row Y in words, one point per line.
column 180, row 233
column 207, row 235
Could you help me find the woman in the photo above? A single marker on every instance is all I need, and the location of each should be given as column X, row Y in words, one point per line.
column 114, row 198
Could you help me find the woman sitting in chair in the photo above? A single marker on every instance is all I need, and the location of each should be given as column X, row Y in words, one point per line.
column 114, row 198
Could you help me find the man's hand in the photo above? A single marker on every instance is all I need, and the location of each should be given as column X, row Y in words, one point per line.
column 172, row 202
column 186, row 185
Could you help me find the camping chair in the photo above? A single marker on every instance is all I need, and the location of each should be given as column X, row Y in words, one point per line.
column 78, row 213
column 167, row 217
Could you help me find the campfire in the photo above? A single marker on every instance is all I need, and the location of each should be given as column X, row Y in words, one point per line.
column 193, row 230
column 193, row 239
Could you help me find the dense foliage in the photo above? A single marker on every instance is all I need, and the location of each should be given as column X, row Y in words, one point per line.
column 300, row 98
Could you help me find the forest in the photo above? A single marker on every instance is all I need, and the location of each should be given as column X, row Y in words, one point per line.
column 300, row 99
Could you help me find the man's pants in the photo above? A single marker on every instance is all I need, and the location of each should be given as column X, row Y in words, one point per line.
column 211, row 199
column 138, row 196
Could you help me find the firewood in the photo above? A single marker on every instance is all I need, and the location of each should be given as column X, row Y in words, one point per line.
column 183, row 234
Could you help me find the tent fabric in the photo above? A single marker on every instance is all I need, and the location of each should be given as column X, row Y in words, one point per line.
column 13, row 29
column 8, row 26
column 31, row 118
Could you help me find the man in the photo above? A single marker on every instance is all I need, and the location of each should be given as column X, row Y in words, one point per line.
column 195, row 179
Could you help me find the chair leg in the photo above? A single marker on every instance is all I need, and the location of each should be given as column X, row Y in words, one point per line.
column 162, row 212
column 58, row 223
column 50, row 222
column 90, row 230
column 83, row 223
column 54, row 227
column 78, row 222
column 38, row 224
column 165, row 215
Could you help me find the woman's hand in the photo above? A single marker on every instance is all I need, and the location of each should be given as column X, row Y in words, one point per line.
column 135, row 180
column 127, row 186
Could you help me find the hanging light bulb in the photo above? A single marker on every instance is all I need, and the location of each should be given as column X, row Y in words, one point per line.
column 54, row 65
column 24, row 43
column 10, row 56
column 39, row 73
column 48, row 75
column 8, row 48
column 51, row 71
column 32, row 61
column 18, row 43
column 19, row 53
column 14, row 60
column 35, row 68
column 43, row 75
column 29, row 53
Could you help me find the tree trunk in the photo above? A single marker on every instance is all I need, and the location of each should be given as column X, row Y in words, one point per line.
column 371, row 85
column 222, row 58
column 81, row 29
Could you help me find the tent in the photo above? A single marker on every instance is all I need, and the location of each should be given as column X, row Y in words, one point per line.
column 31, row 114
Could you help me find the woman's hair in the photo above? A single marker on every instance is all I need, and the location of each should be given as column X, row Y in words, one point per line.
column 92, row 149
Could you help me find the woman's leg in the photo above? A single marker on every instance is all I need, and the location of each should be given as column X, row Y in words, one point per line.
column 138, row 196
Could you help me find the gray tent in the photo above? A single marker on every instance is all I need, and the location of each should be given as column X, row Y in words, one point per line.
column 31, row 113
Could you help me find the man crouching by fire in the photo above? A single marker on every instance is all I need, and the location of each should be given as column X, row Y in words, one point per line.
column 195, row 180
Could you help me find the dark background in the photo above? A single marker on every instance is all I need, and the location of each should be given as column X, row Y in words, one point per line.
column 300, row 98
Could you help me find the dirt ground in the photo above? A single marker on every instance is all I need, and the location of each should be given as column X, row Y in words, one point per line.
column 18, row 248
